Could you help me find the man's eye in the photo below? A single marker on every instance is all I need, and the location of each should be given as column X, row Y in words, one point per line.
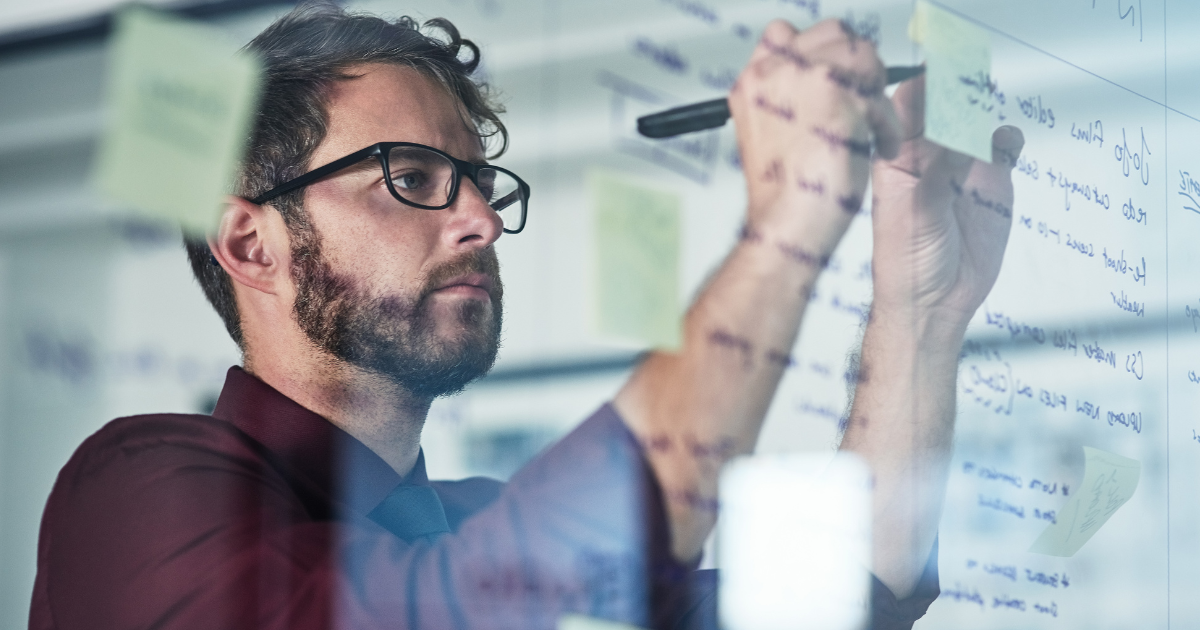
column 409, row 180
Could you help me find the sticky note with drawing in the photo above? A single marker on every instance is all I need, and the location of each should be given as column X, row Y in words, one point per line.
column 959, row 90
column 180, row 101
column 636, row 240
column 1109, row 481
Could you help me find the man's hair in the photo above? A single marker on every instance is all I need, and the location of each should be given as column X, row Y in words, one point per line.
column 304, row 53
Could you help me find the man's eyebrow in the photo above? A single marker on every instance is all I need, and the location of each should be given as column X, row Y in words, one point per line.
column 366, row 164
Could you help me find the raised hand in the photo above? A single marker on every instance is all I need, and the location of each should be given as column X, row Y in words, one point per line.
column 941, row 222
column 808, row 108
column 941, row 219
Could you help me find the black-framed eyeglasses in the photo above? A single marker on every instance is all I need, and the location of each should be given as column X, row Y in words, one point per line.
column 424, row 177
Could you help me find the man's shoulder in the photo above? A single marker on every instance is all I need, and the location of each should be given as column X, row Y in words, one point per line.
column 137, row 437
column 148, row 430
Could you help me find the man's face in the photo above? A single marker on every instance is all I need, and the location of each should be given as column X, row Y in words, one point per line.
column 411, row 294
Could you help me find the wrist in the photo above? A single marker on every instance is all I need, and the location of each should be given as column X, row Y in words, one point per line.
column 927, row 330
column 815, row 223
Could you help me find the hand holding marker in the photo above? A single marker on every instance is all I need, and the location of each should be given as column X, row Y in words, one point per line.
column 714, row 113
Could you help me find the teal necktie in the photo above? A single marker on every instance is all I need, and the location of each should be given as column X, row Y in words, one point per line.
column 412, row 512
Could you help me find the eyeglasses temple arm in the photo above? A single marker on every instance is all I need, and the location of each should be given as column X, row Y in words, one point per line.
column 315, row 174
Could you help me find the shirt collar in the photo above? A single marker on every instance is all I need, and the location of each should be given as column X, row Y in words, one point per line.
column 334, row 461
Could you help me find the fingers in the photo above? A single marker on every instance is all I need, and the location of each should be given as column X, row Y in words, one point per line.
column 852, row 62
column 772, row 47
column 1007, row 142
column 995, row 178
column 941, row 180
column 909, row 101
column 886, row 126
column 915, row 154
column 857, row 69
column 990, row 185
column 780, row 31
column 849, row 63
column 826, row 47
column 807, row 109
column 919, row 155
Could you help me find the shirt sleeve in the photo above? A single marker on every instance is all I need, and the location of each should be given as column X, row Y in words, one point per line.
column 177, row 523
column 889, row 613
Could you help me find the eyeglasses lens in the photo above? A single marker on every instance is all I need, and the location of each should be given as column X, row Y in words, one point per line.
column 504, row 195
column 426, row 178
column 420, row 176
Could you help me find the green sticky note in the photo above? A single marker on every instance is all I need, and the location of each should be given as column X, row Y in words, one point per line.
column 1108, row 482
column 637, row 234
column 180, row 103
column 580, row 622
column 959, row 110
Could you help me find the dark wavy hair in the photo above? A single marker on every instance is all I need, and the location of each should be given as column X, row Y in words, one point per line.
column 304, row 53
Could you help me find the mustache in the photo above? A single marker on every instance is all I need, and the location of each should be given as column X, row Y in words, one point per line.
column 482, row 261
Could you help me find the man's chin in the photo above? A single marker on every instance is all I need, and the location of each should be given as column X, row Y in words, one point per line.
column 470, row 338
column 459, row 309
column 445, row 371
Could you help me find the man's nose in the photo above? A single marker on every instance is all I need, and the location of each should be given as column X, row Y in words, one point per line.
column 472, row 221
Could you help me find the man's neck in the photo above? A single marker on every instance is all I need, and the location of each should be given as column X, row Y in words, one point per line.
column 375, row 411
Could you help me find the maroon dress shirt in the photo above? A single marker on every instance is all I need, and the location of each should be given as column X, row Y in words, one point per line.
column 265, row 515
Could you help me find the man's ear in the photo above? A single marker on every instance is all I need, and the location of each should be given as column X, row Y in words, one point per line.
column 252, row 245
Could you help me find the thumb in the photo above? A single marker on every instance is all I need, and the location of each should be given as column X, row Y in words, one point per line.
column 1007, row 142
column 909, row 101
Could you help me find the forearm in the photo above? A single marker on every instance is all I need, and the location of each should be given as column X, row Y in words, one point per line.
column 902, row 424
column 696, row 408
column 807, row 108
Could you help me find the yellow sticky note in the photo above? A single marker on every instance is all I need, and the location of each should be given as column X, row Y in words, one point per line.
column 1108, row 482
column 916, row 25
column 180, row 103
column 580, row 622
column 959, row 111
column 637, row 235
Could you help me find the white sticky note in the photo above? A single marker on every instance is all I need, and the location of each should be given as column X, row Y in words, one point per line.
column 636, row 242
column 581, row 622
column 180, row 102
column 794, row 542
column 959, row 112
column 1109, row 481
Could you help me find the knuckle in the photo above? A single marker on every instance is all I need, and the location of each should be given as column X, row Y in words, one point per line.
column 827, row 26
column 779, row 28
column 758, row 71
column 874, row 65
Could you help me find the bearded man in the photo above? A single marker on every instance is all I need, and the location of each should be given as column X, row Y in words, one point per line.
column 357, row 273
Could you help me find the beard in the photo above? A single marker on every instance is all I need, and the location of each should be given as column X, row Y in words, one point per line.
column 396, row 336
